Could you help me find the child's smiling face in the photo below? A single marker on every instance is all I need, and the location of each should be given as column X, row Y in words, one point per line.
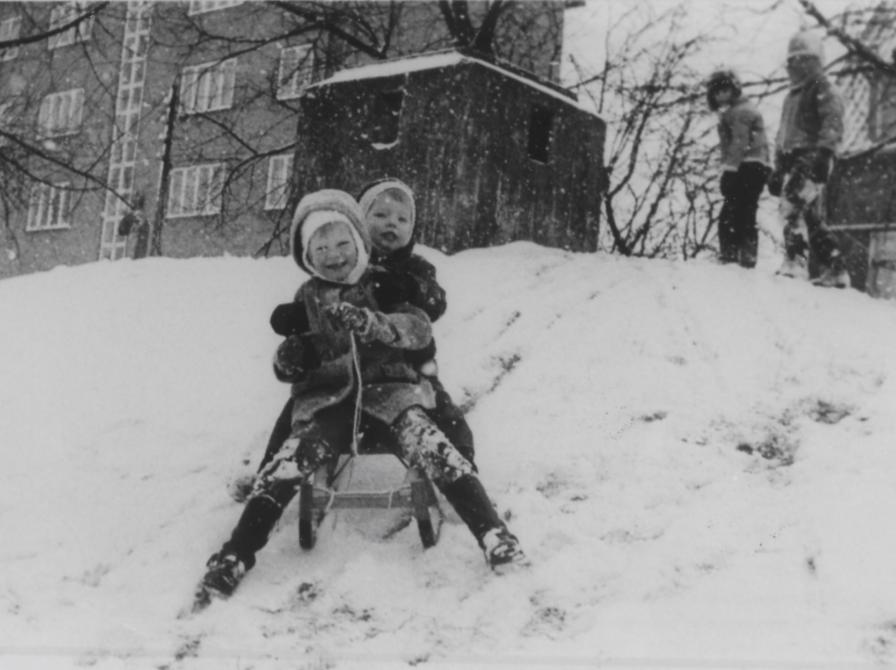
column 389, row 223
column 332, row 251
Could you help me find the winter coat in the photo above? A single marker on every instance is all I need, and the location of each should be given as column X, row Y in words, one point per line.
column 742, row 135
column 428, row 295
column 812, row 117
column 390, row 384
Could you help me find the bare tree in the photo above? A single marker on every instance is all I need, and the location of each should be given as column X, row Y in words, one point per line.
column 660, row 195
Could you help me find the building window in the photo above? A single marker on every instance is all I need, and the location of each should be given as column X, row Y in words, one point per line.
column 48, row 207
column 60, row 113
column 385, row 115
column 207, row 87
column 203, row 6
column 279, row 172
column 541, row 120
column 9, row 30
column 5, row 117
column 195, row 190
column 66, row 13
column 296, row 66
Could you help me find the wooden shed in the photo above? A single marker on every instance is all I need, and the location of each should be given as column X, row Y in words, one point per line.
column 493, row 154
column 861, row 210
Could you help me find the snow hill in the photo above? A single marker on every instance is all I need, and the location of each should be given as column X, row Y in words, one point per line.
column 698, row 460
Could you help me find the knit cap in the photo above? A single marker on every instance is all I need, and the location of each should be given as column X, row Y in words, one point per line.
column 806, row 43
column 318, row 209
column 374, row 189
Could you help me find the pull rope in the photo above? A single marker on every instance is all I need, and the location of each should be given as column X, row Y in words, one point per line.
column 356, row 419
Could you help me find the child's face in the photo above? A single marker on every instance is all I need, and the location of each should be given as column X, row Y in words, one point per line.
column 389, row 223
column 800, row 67
column 723, row 96
column 332, row 251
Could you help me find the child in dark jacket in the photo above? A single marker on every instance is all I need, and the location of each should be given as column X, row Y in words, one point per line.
column 390, row 216
column 745, row 167
column 355, row 350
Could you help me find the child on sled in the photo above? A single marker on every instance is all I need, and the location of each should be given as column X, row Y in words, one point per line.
column 398, row 275
column 348, row 332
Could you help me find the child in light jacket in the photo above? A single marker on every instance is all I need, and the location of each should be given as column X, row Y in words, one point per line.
column 808, row 137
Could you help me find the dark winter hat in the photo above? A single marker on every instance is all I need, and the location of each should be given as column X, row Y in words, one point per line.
column 316, row 210
column 719, row 80
column 806, row 43
column 374, row 189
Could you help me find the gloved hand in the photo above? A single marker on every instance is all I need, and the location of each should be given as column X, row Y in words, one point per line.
column 392, row 288
column 289, row 319
column 820, row 166
column 294, row 357
column 367, row 324
column 350, row 317
column 775, row 182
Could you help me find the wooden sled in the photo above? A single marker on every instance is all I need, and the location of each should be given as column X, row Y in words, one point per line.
column 321, row 492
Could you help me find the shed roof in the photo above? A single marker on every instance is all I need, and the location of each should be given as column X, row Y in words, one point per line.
column 442, row 59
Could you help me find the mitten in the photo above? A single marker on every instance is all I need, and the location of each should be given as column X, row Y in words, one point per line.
column 367, row 324
column 350, row 317
column 289, row 319
column 294, row 357
column 392, row 288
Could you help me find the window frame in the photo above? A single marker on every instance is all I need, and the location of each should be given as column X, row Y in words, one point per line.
column 293, row 85
column 62, row 14
column 49, row 197
column 184, row 184
column 51, row 107
column 279, row 176
column 5, row 108
column 10, row 53
column 196, row 86
column 205, row 6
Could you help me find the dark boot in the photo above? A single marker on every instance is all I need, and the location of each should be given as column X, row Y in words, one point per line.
column 471, row 502
column 469, row 499
column 224, row 573
column 259, row 516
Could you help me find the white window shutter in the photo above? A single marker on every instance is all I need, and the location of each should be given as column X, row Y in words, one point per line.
column 77, row 109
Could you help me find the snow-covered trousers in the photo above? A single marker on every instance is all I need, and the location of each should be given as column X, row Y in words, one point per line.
column 804, row 229
column 316, row 442
column 446, row 415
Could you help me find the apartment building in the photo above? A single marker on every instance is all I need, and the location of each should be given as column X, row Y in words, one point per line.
column 188, row 112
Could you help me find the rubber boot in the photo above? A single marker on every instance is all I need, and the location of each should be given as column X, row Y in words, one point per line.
column 259, row 516
column 469, row 499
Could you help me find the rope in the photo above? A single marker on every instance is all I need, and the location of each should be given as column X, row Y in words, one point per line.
column 356, row 419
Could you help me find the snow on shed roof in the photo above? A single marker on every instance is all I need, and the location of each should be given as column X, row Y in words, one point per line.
column 434, row 61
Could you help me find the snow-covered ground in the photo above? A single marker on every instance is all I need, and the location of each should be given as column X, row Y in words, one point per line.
column 698, row 459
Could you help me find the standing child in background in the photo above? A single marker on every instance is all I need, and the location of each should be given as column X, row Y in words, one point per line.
column 745, row 167
column 352, row 352
column 810, row 132
column 391, row 218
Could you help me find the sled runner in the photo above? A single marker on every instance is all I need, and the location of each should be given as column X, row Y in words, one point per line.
column 328, row 489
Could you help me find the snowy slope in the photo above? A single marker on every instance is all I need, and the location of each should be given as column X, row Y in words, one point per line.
column 698, row 460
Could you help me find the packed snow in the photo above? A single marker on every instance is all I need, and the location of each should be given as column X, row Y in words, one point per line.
column 698, row 460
